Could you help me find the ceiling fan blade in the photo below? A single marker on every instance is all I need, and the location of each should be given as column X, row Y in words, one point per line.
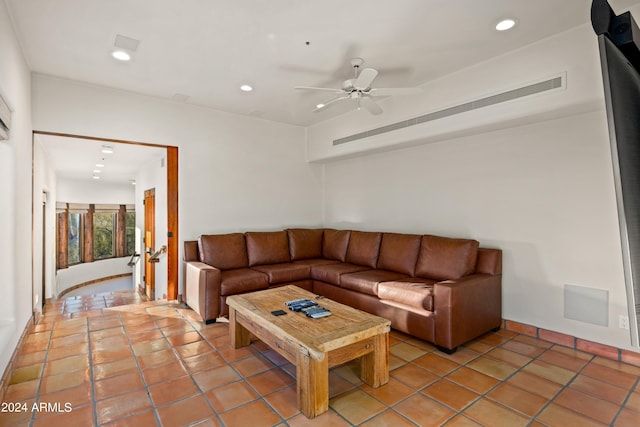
column 365, row 78
column 370, row 105
column 318, row 89
column 324, row 105
column 391, row 91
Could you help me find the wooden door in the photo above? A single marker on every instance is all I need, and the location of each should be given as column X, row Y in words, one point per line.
column 149, row 241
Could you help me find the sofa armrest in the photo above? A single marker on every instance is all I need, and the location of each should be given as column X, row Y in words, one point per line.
column 202, row 285
column 466, row 308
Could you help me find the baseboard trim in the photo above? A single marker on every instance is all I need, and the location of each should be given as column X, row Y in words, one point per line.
column 602, row 350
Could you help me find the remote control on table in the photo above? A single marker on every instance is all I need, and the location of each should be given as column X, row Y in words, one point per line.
column 320, row 314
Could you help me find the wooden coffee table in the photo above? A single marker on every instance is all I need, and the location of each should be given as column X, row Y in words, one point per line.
column 312, row 345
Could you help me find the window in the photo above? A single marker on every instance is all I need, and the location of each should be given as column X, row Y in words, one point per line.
column 74, row 238
column 88, row 233
column 103, row 235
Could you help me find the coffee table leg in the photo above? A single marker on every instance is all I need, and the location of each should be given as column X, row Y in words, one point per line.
column 238, row 334
column 312, row 378
column 374, row 366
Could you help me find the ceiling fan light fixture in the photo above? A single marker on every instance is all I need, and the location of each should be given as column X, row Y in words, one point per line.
column 506, row 24
column 121, row 55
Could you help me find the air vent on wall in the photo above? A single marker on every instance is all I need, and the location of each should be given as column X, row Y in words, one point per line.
column 543, row 86
column 5, row 120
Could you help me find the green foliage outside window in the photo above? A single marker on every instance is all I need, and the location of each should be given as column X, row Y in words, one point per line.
column 130, row 233
column 103, row 235
column 74, row 233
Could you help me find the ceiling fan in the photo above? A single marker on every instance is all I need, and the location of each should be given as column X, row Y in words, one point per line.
column 359, row 89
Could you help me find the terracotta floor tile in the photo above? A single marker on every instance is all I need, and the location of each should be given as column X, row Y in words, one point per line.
column 163, row 373
column 215, row 377
column 633, row 402
column 618, row 366
column 535, row 384
column 587, row 405
column 337, row 384
column 140, row 337
column 232, row 395
column 436, row 364
column 551, row 372
column 285, row 402
column 462, row 421
column 62, row 381
column 72, row 350
column 461, row 356
column 119, row 384
column 177, row 330
column 510, row 357
column 185, row 412
column 253, row 414
column 156, row 358
column 110, row 343
column 74, row 396
column 252, row 365
column 525, row 349
column 270, row 381
column 609, row 375
column 203, row 361
column 518, row 399
column 177, row 389
column 77, row 417
column 627, row 418
column 558, row 416
column 122, row 405
column 599, row 389
column 146, row 419
column 69, row 340
column 328, row 419
column 390, row 393
column 414, row 376
column 566, row 361
column 349, row 371
column 489, row 413
column 388, row 418
column 26, row 359
column 146, row 347
column 492, row 367
column 232, row 354
column 68, row 364
column 185, row 338
column 423, row 410
column 406, row 351
column 27, row 373
column 356, row 406
column 22, row 391
column 106, row 333
column 450, row 394
column 473, row 380
column 117, row 367
column 193, row 349
column 99, row 357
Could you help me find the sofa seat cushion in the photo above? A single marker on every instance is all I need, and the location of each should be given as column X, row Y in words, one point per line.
column 242, row 280
column 284, row 273
column 315, row 261
column 331, row 273
column 413, row 292
column 366, row 282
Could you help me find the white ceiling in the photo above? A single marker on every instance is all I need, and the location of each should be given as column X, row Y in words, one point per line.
column 76, row 158
column 207, row 48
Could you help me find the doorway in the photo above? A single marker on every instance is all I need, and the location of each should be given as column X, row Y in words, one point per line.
column 171, row 203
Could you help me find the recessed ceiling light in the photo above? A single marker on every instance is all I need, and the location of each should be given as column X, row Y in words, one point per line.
column 96, row 177
column 319, row 106
column 121, row 55
column 107, row 149
column 99, row 165
column 246, row 88
column 97, row 171
column 506, row 24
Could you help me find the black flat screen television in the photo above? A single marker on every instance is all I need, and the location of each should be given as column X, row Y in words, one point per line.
column 620, row 60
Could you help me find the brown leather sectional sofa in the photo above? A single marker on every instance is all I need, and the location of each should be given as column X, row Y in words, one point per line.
column 443, row 290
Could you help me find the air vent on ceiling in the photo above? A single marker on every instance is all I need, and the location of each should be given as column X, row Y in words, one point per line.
column 543, row 86
column 127, row 43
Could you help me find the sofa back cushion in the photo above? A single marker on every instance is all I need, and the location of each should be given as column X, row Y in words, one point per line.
column 270, row 247
column 305, row 243
column 223, row 251
column 443, row 258
column 335, row 243
column 364, row 247
column 399, row 252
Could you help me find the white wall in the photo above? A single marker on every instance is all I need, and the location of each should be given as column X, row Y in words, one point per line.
column 91, row 271
column 235, row 172
column 94, row 191
column 15, row 193
column 541, row 190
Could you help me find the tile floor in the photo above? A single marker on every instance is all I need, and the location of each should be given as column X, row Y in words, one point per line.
column 91, row 361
